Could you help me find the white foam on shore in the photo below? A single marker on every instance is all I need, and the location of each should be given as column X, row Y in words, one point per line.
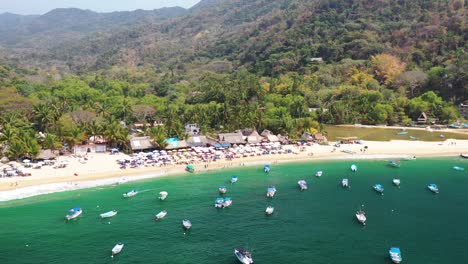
column 27, row 192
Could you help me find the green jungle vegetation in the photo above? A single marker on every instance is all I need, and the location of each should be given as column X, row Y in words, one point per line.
column 286, row 66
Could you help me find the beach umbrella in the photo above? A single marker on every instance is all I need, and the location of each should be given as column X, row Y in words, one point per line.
column 190, row 167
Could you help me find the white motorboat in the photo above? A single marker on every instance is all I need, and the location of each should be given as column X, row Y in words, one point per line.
column 162, row 195
column 130, row 194
column 271, row 191
column 361, row 217
column 187, row 224
column 161, row 215
column 222, row 189
column 302, row 185
column 433, row 187
column 227, row 202
column 345, row 183
column 396, row 182
column 395, row 255
column 269, row 210
column 318, row 173
column 219, row 202
column 74, row 213
column 353, row 168
column 233, row 179
column 243, row 256
column 109, row 214
column 117, row 248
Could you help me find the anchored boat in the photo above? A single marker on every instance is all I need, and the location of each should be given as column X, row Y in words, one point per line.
column 243, row 256
column 271, row 191
column 233, row 179
column 396, row 182
column 162, row 195
column 302, row 185
column 117, row 248
column 378, row 188
column 73, row 213
column 433, row 187
column 130, row 194
column 187, row 224
column 269, row 210
column 161, row 215
column 361, row 217
column 395, row 255
column 345, row 183
column 109, row 214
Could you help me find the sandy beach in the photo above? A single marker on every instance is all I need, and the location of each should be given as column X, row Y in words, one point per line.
column 102, row 168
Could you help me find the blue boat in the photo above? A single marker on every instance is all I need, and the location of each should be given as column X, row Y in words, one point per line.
column 233, row 179
column 378, row 188
column 219, row 202
column 395, row 255
column 73, row 213
column 353, row 168
column 433, row 187
column 266, row 168
column 458, row 168
column 271, row 191
column 222, row 189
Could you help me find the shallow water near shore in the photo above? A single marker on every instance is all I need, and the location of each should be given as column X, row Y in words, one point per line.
column 314, row 226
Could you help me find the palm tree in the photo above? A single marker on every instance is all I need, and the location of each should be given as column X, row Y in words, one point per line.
column 44, row 116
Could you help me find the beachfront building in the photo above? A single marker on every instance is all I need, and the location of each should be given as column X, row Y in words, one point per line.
column 198, row 141
column 252, row 136
column 319, row 138
column 89, row 148
column 192, row 129
column 269, row 136
column 138, row 144
column 347, row 140
column 175, row 143
column 308, row 137
column 231, row 138
column 464, row 109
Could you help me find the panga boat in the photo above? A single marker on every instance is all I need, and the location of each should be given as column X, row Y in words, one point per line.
column 219, row 202
column 227, row 202
column 302, row 185
column 130, row 194
column 345, row 183
column 271, row 191
column 395, row 255
column 458, row 168
column 223, row 202
column 109, row 214
column 161, row 215
column 269, row 210
column 433, row 188
column 378, row 188
column 162, row 195
column 233, row 179
column 243, row 256
column 410, row 158
column 318, row 173
column 396, row 182
column 353, row 168
column 187, row 224
column 395, row 164
column 465, row 156
column 117, row 248
column 222, row 189
column 267, row 168
column 361, row 217
column 73, row 213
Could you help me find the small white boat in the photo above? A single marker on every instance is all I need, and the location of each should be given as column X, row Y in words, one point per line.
column 233, row 179
column 162, row 195
column 410, row 158
column 267, row 168
column 269, row 210
column 219, row 202
column 187, row 224
column 353, row 168
column 318, row 173
column 117, row 248
column 222, row 189
column 161, row 215
column 458, row 168
column 395, row 255
column 433, row 187
column 302, row 185
column 345, row 183
column 227, row 202
column 243, row 256
column 378, row 188
column 109, row 214
column 396, row 182
column 74, row 213
column 361, row 217
column 271, row 191
column 130, row 194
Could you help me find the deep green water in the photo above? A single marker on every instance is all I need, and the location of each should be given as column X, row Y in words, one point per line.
column 314, row 226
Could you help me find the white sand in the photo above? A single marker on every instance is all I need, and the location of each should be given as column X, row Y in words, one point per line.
column 102, row 169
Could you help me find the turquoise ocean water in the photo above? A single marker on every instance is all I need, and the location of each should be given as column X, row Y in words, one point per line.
column 315, row 226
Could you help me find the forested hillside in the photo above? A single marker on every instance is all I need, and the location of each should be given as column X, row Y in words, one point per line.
column 286, row 66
